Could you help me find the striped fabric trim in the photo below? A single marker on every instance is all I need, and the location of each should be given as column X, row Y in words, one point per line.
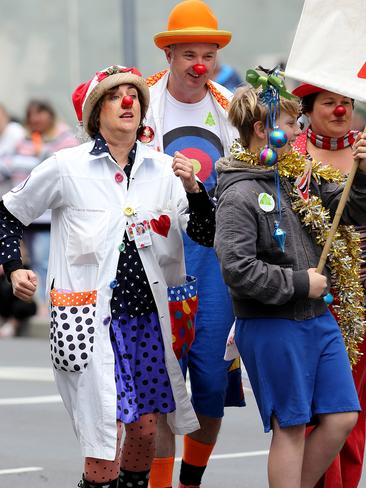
column 332, row 143
column 220, row 98
column 153, row 79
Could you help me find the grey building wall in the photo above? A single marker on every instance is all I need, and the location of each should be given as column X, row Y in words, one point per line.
column 47, row 47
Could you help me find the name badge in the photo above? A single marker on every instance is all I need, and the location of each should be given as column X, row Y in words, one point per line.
column 140, row 233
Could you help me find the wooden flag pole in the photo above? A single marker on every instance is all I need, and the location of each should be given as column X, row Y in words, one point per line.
column 337, row 217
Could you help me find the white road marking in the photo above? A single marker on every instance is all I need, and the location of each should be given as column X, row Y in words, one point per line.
column 235, row 455
column 26, row 374
column 20, row 470
column 30, row 400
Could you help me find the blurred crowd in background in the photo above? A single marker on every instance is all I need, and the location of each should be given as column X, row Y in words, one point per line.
column 23, row 145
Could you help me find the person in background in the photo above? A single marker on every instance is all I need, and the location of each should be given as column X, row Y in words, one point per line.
column 110, row 337
column 267, row 240
column 10, row 134
column 45, row 134
column 227, row 76
column 13, row 312
column 188, row 113
column 359, row 116
column 329, row 139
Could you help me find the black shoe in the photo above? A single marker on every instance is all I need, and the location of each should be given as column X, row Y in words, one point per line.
column 87, row 484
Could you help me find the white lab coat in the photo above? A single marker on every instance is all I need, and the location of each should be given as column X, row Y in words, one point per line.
column 88, row 223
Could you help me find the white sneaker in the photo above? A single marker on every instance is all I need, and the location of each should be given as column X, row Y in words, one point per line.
column 7, row 330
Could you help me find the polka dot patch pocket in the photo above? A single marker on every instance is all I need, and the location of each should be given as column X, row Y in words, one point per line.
column 183, row 303
column 72, row 329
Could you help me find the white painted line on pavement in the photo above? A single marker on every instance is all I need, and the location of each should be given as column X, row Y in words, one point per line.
column 26, row 374
column 20, row 470
column 30, row 400
column 235, row 455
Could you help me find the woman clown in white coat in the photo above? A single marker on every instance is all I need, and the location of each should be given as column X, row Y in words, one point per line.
column 111, row 339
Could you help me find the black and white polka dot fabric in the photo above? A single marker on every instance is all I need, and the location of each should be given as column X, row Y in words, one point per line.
column 11, row 232
column 130, row 479
column 201, row 224
column 132, row 290
column 72, row 337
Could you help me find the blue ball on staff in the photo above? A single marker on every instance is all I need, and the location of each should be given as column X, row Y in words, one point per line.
column 278, row 138
column 268, row 156
column 328, row 298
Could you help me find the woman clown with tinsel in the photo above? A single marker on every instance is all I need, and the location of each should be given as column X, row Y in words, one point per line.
column 329, row 139
column 274, row 213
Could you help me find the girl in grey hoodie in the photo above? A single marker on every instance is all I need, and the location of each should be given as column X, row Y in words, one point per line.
column 290, row 343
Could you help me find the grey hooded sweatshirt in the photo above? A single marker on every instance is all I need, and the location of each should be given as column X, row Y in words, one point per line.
column 263, row 280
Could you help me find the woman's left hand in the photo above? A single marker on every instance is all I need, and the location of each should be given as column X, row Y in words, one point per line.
column 359, row 150
column 183, row 167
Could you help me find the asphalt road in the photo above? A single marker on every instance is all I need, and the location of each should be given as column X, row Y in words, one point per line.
column 38, row 447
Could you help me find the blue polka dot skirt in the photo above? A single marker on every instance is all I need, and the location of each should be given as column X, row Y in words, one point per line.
column 141, row 376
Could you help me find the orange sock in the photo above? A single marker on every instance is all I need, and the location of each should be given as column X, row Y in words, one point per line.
column 195, row 452
column 194, row 462
column 161, row 474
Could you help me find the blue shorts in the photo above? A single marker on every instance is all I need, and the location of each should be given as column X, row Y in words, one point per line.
column 215, row 383
column 297, row 369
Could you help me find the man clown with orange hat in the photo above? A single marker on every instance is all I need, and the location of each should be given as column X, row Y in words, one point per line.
column 188, row 114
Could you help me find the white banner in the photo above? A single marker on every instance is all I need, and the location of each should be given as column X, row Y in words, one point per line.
column 329, row 49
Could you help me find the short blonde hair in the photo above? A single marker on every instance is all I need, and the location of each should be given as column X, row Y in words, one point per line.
column 246, row 109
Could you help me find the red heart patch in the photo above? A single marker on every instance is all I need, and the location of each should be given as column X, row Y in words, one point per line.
column 161, row 226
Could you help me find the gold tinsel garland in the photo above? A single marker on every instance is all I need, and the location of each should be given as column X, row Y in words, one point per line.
column 345, row 254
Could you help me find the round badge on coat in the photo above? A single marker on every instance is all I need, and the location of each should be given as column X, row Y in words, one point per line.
column 266, row 202
column 146, row 134
column 128, row 211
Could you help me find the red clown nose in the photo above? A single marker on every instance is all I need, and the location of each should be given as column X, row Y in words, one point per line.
column 127, row 101
column 339, row 111
column 200, row 69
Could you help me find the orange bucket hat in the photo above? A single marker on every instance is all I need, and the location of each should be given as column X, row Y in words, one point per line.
column 192, row 21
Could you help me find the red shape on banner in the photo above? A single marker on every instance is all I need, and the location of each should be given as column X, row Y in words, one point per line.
column 362, row 72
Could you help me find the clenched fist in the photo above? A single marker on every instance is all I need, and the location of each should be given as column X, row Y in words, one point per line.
column 359, row 150
column 317, row 284
column 183, row 167
column 24, row 283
